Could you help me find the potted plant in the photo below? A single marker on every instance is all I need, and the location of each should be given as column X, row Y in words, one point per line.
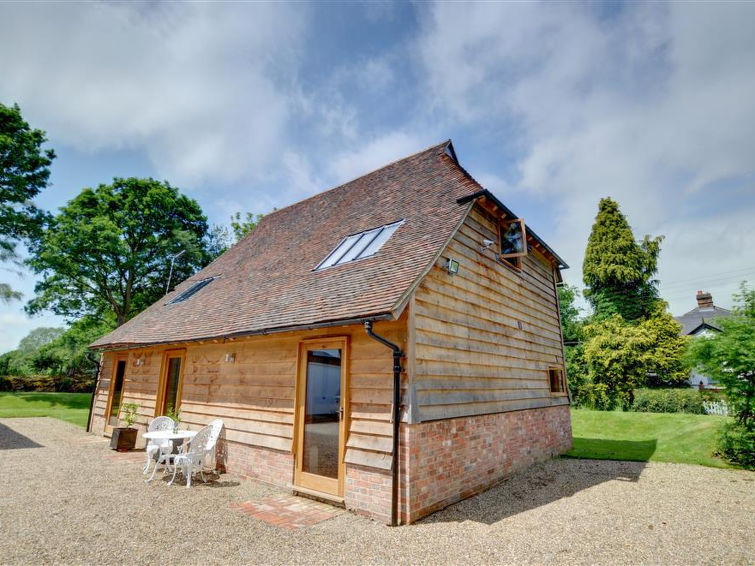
column 175, row 415
column 124, row 438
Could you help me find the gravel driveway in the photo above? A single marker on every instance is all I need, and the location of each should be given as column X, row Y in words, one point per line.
column 64, row 498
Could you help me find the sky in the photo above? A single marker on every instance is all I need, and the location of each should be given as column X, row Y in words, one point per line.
column 551, row 106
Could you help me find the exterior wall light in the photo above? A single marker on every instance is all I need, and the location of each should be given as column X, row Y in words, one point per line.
column 230, row 358
column 452, row 266
column 140, row 360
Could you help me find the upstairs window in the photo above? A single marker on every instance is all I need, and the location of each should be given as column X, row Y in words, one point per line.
column 359, row 246
column 191, row 291
column 513, row 242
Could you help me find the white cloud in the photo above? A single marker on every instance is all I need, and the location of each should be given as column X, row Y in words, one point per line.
column 651, row 104
column 371, row 155
column 202, row 88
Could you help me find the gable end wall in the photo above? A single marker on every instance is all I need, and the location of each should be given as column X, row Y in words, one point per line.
column 484, row 338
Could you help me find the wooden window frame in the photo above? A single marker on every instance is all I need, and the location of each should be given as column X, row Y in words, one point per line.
column 562, row 381
column 111, row 389
column 160, row 396
column 306, row 480
column 503, row 226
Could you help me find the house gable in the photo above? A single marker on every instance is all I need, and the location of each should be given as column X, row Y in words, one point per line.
column 484, row 339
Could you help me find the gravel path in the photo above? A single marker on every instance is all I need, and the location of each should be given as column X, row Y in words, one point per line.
column 63, row 500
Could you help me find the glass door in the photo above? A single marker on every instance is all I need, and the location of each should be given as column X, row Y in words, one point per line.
column 116, row 394
column 170, row 388
column 320, row 415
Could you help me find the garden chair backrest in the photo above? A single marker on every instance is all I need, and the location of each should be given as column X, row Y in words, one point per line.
column 202, row 442
column 216, row 426
column 161, row 423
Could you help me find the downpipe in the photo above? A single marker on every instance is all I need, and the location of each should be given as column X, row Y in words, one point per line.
column 397, row 355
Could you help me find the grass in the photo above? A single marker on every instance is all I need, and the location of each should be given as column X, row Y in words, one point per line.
column 70, row 407
column 643, row 437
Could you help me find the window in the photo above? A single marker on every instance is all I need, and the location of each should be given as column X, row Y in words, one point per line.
column 191, row 291
column 556, row 378
column 513, row 242
column 359, row 246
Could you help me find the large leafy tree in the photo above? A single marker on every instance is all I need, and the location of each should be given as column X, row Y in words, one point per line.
column 569, row 313
column 617, row 270
column 109, row 249
column 729, row 357
column 24, row 172
column 68, row 354
column 21, row 360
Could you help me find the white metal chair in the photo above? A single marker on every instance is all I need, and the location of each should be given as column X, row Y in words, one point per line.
column 157, row 447
column 202, row 447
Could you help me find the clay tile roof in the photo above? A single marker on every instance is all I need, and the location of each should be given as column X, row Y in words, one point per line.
column 266, row 282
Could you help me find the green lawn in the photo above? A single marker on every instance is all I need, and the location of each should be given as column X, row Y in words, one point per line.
column 71, row 407
column 677, row 437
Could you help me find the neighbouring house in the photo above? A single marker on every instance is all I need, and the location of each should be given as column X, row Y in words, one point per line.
column 701, row 321
column 392, row 344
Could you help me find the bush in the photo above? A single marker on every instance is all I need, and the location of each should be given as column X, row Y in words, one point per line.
column 737, row 444
column 668, row 401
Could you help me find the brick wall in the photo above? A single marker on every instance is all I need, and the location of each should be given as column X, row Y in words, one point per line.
column 445, row 461
column 262, row 464
column 368, row 492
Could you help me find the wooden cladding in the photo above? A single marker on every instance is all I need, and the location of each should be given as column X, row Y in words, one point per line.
column 484, row 338
column 254, row 392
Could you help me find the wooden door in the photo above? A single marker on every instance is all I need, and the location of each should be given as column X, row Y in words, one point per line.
column 321, row 409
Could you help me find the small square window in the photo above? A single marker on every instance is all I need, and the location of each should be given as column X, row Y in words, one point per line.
column 556, row 379
column 513, row 242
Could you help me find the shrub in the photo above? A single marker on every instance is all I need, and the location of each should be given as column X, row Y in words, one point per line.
column 737, row 444
column 668, row 401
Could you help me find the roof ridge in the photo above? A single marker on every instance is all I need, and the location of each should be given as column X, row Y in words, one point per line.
column 394, row 162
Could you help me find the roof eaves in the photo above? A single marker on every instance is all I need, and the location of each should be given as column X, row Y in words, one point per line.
column 242, row 334
column 530, row 232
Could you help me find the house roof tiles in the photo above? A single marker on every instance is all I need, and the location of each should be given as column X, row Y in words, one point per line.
column 266, row 282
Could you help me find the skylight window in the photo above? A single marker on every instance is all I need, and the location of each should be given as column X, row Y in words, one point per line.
column 359, row 246
column 191, row 291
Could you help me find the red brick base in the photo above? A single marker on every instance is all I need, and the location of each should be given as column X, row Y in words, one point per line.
column 262, row 464
column 443, row 462
column 368, row 492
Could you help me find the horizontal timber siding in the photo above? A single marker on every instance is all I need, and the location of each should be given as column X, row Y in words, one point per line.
column 484, row 338
column 255, row 394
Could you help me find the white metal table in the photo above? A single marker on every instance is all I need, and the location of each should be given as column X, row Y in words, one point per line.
column 174, row 437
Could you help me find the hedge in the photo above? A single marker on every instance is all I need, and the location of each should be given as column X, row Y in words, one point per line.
column 669, row 401
column 46, row 383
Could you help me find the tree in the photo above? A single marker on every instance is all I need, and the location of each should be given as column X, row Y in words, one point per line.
column 620, row 357
column 68, row 354
column 24, row 172
column 241, row 227
column 615, row 355
column 109, row 249
column 618, row 271
column 21, row 360
column 571, row 324
column 729, row 358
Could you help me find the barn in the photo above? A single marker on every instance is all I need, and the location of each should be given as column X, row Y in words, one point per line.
column 391, row 345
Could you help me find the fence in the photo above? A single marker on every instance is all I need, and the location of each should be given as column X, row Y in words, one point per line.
column 716, row 408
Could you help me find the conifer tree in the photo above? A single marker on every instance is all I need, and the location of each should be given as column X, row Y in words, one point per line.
column 617, row 270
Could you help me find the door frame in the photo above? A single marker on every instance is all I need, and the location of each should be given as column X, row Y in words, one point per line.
column 160, row 395
column 307, row 480
column 111, row 388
